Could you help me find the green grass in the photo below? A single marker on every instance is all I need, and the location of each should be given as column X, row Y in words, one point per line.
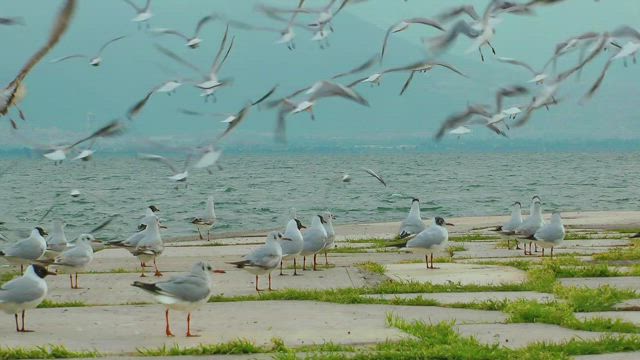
column 628, row 253
column 441, row 341
column 371, row 267
column 6, row 276
column 473, row 237
column 631, row 231
column 240, row 346
column 44, row 352
column 53, row 304
column 562, row 314
column 588, row 300
column 578, row 235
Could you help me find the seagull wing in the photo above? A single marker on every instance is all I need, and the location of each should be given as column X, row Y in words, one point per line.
column 109, row 43
column 75, row 56
column 216, row 61
column 425, row 21
column 134, row 6
column 329, row 89
column 161, row 159
column 517, row 63
column 113, row 128
column 170, row 32
column 203, row 22
column 362, row 67
column 178, row 59
column 63, row 20
column 372, row 173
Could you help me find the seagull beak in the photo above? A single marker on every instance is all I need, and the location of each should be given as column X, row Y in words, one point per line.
column 163, row 226
column 450, row 224
column 51, row 273
column 284, row 238
column 218, row 271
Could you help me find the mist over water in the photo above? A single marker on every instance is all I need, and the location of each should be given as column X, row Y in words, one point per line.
column 255, row 192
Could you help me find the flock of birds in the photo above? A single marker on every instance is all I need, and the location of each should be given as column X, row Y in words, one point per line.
column 191, row 290
column 188, row 292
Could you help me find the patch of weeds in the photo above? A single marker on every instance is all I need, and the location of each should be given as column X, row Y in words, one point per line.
column 7, row 276
column 371, row 267
column 631, row 231
column 44, row 352
column 629, row 253
column 491, row 305
column 45, row 304
column 240, row 346
column 349, row 250
column 524, row 265
column 588, row 300
column 473, row 237
column 441, row 341
column 578, row 235
column 562, row 314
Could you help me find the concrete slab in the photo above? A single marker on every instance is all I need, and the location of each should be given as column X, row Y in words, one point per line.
column 471, row 297
column 628, row 305
column 621, row 282
column 628, row 316
column 123, row 329
column 520, row 335
column 611, row 356
column 466, row 274
column 115, row 289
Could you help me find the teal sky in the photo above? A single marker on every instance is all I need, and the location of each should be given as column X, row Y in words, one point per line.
column 60, row 95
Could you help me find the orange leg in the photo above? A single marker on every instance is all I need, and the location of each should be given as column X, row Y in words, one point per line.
column 304, row 263
column 270, row 289
column 314, row 262
column 158, row 273
column 257, row 288
column 426, row 260
column 189, row 334
column 17, row 326
column 168, row 328
column 23, row 329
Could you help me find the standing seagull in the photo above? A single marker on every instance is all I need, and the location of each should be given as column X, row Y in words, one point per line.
column 185, row 293
column 331, row 234
column 264, row 259
column 551, row 234
column 76, row 258
column 57, row 240
column 93, row 61
column 291, row 249
column 26, row 251
column 314, row 240
column 143, row 14
column 413, row 223
column 207, row 220
column 531, row 224
column 24, row 293
column 429, row 240
column 509, row 228
column 150, row 245
column 14, row 93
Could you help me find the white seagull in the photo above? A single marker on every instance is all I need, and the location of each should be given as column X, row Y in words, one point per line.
column 315, row 238
column 429, row 240
column 551, row 234
column 24, row 293
column 291, row 249
column 26, row 251
column 531, row 224
column 413, row 224
column 143, row 14
column 184, row 293
column 331, row 234
column 264, row 259
column 191, row 41
column 95, row 60
column 207, row 220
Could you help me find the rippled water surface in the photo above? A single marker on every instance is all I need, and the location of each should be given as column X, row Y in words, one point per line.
column 256, row 191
